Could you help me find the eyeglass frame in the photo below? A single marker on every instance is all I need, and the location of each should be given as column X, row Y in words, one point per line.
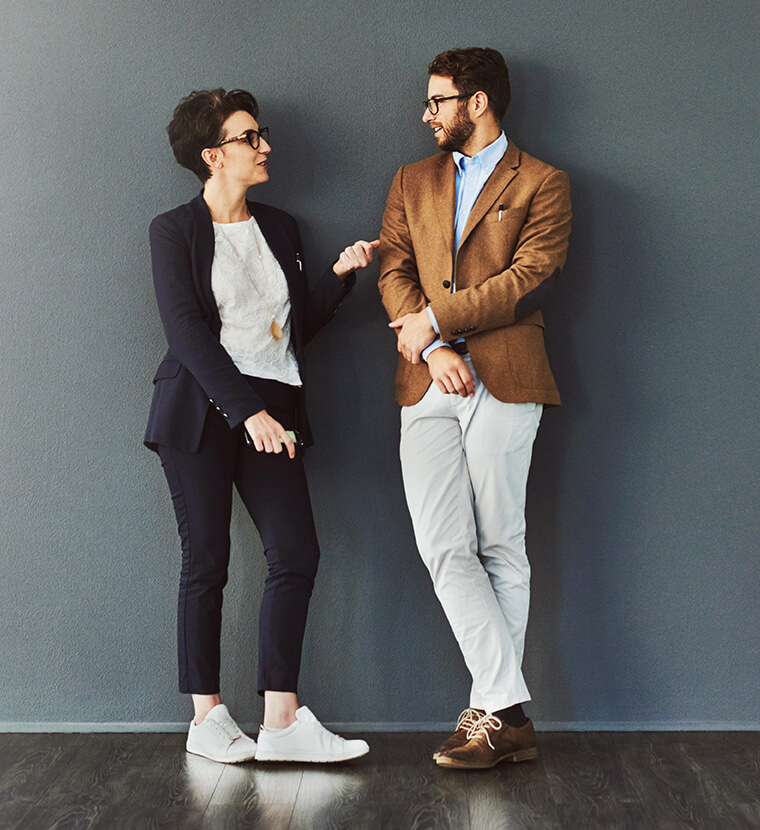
column 428, row 101
column 263, row 132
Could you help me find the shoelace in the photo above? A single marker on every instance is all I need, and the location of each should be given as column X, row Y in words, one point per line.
column 324, row 731
column 481, row 728
column 227, row 730
column 468, row 718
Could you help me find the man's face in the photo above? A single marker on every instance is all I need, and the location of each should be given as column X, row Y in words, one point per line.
column 452, row 126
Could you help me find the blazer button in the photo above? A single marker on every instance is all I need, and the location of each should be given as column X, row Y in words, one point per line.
column 447, row 284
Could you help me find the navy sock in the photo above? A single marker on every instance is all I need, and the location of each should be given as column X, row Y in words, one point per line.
column 512, row 715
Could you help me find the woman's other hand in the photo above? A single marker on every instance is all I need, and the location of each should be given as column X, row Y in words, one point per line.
column 268, row 434
column 358, row 255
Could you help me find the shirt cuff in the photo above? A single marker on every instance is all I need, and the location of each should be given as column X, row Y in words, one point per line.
column 436, row 344
column 433, row 321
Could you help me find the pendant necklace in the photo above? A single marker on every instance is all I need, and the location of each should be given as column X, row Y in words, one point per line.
column 274, row 328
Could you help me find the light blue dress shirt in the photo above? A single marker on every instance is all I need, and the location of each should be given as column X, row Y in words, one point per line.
column 472, row 173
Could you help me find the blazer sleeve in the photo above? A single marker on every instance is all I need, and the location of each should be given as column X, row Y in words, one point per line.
column 324, row 297
column 188, row 334
column 399, row 282
column 518, row 291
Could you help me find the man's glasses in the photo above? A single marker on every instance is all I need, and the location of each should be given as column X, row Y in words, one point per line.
column 432, row 103
column 253, row 137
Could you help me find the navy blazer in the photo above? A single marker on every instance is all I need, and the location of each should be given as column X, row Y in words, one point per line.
column 197, row 373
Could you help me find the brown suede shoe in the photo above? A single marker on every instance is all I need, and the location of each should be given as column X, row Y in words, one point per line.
column 491, row 742
column 465, row 722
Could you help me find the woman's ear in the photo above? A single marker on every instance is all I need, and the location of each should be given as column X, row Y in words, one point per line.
column 213, row 158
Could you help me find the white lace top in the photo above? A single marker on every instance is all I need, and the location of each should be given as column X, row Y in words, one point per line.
column 246, row 309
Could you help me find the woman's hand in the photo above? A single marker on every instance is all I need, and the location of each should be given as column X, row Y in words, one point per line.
column 358, row 255
column 268, row 434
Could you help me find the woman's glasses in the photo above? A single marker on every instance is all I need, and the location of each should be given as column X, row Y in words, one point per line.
column 253, row 137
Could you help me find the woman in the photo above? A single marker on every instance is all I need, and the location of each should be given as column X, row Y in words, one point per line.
column 228, row 407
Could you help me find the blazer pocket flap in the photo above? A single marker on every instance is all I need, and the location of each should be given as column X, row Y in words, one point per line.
column 167, row 369
column 534, row 319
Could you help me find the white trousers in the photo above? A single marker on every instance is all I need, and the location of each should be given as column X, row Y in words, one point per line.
column 465, row 464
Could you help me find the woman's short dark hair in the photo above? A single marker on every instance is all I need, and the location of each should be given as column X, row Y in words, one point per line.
column 197, row 124
column 474, row 70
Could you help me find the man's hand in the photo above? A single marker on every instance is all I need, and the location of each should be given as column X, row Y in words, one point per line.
column 358, row 255
column 268, row 434
column 415, row 332
column 450, row 372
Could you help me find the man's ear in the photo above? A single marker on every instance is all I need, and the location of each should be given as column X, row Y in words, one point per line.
column 479, row 103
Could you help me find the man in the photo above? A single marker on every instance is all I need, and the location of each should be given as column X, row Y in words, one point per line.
column 472, row 240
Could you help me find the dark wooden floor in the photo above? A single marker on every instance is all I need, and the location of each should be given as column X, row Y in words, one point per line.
column 582, row 781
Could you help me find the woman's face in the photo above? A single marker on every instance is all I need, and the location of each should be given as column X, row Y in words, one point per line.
column 239, row 160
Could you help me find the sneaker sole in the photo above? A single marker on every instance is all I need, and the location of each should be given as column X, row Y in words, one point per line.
column 271, row 756
column 221, row 760
column 529, row 754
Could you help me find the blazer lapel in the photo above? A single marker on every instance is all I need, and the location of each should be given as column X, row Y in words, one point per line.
column 277, row 241
column 444, row 195
column 497, row 182
column 204, row 252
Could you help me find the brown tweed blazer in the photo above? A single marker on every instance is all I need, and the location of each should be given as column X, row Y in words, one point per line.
column 512, row 250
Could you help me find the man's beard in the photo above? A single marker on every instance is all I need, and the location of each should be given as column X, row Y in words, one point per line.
column 458, row 133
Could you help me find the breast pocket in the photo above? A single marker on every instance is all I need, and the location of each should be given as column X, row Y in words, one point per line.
column 508, row 215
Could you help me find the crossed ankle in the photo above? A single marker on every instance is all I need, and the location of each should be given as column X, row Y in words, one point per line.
column 512, row 716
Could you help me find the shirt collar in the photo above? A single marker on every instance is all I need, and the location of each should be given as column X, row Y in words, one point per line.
column 487, row 158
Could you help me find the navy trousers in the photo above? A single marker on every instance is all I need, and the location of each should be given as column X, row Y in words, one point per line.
column 274, row 491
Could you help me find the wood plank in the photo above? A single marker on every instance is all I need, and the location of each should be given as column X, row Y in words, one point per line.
column 588, row 783
column 669, row 790
column 247, row 817
column 254, row 795
column 12, row 814
column 327, row 792
column 136, row 816
column 513, row 796
column 727, row 766
column 37, row 765
column 61, row 817
column 258, row 784
column 733, row 758
column 15, row 745
column 110, row 769
column 174, row 778
column 741, row 817
column 397, row 785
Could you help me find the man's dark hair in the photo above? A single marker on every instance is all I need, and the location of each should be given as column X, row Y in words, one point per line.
column 476, row 70
column 197, row 124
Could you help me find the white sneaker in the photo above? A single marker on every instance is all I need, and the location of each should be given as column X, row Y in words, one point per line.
column 219, row 738
column 306, row 740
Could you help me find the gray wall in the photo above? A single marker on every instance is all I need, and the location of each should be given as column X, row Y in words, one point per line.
column 643, row 522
